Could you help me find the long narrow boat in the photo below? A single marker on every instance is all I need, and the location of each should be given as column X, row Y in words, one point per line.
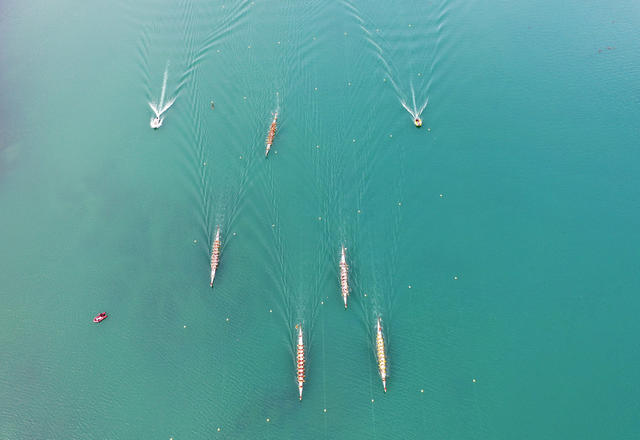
column 300, row 361
column 344, row 277
column 272, row 133
column 215, row 255
column 382, row 357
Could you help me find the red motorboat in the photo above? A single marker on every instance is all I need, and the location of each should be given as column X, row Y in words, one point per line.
column 100, row 317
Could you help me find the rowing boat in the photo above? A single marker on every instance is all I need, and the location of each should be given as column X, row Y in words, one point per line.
column 272, row 133
column 215, row 255
column 344, row 277
column 382, row 357
column 300, row 361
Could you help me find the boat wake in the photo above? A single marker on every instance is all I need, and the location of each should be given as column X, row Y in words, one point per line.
column 160, row 107
column 414, row 111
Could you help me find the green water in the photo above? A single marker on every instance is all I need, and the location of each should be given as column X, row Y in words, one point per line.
column 498, row 243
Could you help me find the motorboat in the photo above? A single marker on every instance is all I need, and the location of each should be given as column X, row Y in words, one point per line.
column 417, row 122
column 156, row 122
column 100, row 317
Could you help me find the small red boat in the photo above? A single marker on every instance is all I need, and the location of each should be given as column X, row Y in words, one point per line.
column 100, row 317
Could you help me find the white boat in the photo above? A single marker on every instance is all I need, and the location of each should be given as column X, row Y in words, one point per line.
column 300, row 361
column 382, row 357
column 215, row 255
column 344, row 276
column 156, row 122
column 272, row 133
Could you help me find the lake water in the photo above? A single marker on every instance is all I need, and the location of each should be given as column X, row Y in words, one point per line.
column 498, row 243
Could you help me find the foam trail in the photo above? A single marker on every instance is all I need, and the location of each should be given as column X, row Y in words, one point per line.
column 167, row 105
column 154, row 108
column 413, row 97
column 414, row 112
column 423, row 106
column 161, row 107
column 164, row 85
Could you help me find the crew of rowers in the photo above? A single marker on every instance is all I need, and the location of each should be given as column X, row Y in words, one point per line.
column 272, row 133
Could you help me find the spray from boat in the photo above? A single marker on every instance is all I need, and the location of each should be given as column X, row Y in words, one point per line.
column 160, row 107
column 414, row 111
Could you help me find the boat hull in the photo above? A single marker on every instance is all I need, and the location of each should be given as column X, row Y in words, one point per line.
column 381, row 355
column 300, row 362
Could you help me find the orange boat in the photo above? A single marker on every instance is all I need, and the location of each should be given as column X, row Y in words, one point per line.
column 272, row 133
column 215, row 255
column 381, row 354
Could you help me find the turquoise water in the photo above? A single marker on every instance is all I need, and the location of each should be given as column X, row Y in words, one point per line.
column 498, row 243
